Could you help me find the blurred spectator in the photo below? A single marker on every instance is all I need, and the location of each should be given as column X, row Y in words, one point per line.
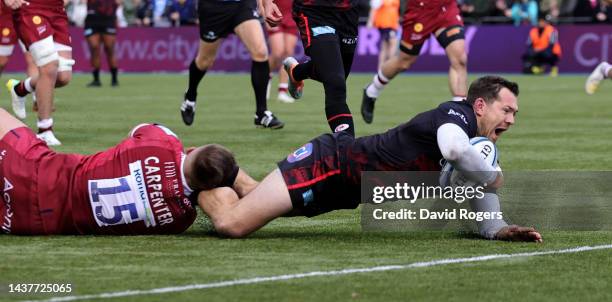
column 144, row 12
column 183, row 12
column 605, row 12
column 550, row 7
column 525, row 11
column 543, row 49
column 77, row 12
column 384, row 15
column 160, row 13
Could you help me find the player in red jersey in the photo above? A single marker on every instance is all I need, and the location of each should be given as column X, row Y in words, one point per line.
column 143, row 185
column 42, row 26
column 8, row 37
column 282, row 39
column 422, row 19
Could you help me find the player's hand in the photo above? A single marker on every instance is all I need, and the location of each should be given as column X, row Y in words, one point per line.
column 518, row 233
column 271, row 13
column 15, row 4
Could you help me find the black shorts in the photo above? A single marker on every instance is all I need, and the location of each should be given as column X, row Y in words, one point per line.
column 219, row 18
column 387, row 34
column 326, row 23
column 315, row 177
column 100, row 25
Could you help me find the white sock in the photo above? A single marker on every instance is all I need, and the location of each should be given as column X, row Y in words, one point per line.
column 283, row 85
column 458, row 98
column 44, row 124
column 27, row 85
column 378, row 84
column 606, row 70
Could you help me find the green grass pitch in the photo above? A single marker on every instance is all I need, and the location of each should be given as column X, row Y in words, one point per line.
column 559, row 127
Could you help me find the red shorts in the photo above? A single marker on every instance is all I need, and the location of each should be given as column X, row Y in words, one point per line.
column 34, row 23
column 287, row 25
column 8, row 36
column 33, row 180
column 422, row 18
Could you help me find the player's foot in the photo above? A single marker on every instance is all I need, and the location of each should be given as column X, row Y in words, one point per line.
column 49, row 138
column 188, row 111
column 367, row 107
column 295, row 87
column 115, row 83
column 17, row 101
column 595, row 78
column 554, row 71
column 537, row 69
column 284, row 97
column 268, row 120
column 94, row 83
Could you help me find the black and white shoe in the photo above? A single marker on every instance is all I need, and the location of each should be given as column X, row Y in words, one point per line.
column 268, row 120
column 188, row 111
column 367, row 107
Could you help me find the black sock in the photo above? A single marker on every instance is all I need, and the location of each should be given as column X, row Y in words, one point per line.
column 96, row 75
column 303, row 71
column 260, row 75
column 114, row 75
column 339, row 118
column 195, row 76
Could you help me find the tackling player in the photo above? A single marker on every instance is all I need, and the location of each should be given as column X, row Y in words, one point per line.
column 328, row 29
column 601, row 72
column 421, row 19
column 218, row 19
column 101, row 26
column 144, row 185
column 325, row 174
column 282, row 39
column 42, row 25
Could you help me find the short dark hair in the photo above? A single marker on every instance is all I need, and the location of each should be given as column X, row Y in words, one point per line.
column 488, row 88
column 214, row 166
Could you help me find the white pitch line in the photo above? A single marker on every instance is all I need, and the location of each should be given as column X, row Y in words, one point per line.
column 348, row 271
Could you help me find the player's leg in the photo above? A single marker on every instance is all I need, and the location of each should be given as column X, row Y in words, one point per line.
column 290, row 41
column 251, row 34
column 601, row 72
column 93, row 42
column 457, row 73
column 109, row 41
column 235, row 217
column 8, row 122
column 275, row 40
column 197, row 69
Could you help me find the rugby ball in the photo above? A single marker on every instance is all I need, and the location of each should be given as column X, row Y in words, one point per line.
column 449, row 176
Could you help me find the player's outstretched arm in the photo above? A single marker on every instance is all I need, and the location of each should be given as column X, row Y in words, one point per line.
column 236, row 218
column 519, row 233
column 8, row 122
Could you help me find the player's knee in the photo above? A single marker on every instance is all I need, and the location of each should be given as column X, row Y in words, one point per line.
column 63, row 78
column 44, row 52
column 260, row 54
column 205, row 62
column 48, row 70
column 405, row 61
column 459, row 61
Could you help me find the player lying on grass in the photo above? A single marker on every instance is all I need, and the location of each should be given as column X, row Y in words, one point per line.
column 325, row 174
column 143, row 185
column 601, row 72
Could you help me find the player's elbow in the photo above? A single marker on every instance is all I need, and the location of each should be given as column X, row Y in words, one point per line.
column 231, row 228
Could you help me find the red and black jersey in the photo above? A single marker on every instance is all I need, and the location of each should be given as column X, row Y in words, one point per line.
column 340, row 4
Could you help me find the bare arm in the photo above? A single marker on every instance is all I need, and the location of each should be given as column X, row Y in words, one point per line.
column 244, row 183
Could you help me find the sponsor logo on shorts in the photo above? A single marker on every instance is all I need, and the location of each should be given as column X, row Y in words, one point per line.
column 323, row 30
column 2, row 155
column 349, row 41
column 418, row 27
column 341, row 127
column 6, row 31
column 36, row 20
column 308, row 196
column 41, row 29
column 300, row 153
column 210, row 35
column 8, row 215
column 416, row 37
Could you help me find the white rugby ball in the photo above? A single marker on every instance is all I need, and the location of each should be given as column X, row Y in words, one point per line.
column 449, row 176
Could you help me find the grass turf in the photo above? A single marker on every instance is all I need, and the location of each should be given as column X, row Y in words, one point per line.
column 558, row 128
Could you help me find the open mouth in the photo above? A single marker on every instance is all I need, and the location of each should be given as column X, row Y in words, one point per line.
column 499, row 131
